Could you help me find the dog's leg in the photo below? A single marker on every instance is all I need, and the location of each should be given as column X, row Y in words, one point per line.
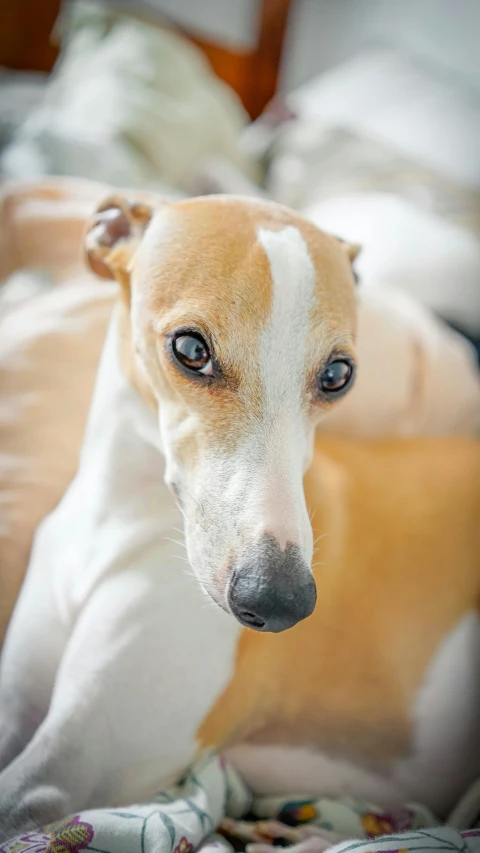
column 59, row 768
column 31, row 653
column 120, row 723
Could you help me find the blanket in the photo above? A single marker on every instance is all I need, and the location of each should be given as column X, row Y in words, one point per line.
column 213, row 797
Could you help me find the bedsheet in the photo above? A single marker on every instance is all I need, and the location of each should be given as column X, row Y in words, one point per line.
column 213, row 797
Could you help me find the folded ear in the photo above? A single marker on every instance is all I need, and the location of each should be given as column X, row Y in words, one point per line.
column 352, row 249
column 113, row 236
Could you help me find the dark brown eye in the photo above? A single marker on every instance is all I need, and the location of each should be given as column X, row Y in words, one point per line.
column 336, row 376
column 192, row 351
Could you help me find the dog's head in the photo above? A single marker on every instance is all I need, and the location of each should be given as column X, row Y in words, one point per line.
column 242, row 321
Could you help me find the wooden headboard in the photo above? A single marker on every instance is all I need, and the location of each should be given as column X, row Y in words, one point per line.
column 25, row 44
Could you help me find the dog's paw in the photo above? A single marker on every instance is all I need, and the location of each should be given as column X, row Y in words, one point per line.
column 30, row 811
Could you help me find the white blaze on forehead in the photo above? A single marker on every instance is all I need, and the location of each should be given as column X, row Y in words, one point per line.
column 283, row 341
column 283, row 438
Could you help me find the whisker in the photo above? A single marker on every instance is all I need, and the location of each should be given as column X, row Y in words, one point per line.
column 192, row 498
column 208, row 603
column 175, row 541
column 322, row 536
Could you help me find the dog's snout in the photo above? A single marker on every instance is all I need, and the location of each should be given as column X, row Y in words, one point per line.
column 271, row 589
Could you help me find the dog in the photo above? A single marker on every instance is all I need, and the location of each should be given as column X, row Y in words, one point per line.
column 325, row 634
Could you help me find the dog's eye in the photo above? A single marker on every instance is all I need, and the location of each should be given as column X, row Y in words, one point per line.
column 336, row 376
column 192, row 351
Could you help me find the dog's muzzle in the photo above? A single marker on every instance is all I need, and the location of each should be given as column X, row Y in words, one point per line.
column 270, row 589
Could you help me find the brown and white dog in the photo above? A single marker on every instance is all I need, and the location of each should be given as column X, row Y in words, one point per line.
column 233, row 335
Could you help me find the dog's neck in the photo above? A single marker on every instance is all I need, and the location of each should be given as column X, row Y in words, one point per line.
column 120, row 390
column 126, row 505
column 128, row 364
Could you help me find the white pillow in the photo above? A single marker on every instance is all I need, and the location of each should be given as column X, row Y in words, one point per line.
column 386, row 96
column 428, row 257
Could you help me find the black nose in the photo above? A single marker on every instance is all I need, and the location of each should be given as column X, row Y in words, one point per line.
column 271, row 589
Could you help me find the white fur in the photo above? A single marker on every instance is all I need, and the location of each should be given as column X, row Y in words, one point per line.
column 282, row 350
column 284, row 436
column 114, row 655
column 446, row 754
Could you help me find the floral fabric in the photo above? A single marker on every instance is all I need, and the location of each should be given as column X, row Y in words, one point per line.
column 185, row 819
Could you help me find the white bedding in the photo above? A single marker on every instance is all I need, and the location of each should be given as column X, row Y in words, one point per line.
column 386, row 95
column 385, row 153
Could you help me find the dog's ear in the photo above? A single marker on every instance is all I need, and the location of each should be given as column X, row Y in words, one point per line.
column 113, row 235
column 352, row 251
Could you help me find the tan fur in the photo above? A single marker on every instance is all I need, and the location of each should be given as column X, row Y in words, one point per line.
column 42, row 224
column 397, row 565
column 232, row 277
